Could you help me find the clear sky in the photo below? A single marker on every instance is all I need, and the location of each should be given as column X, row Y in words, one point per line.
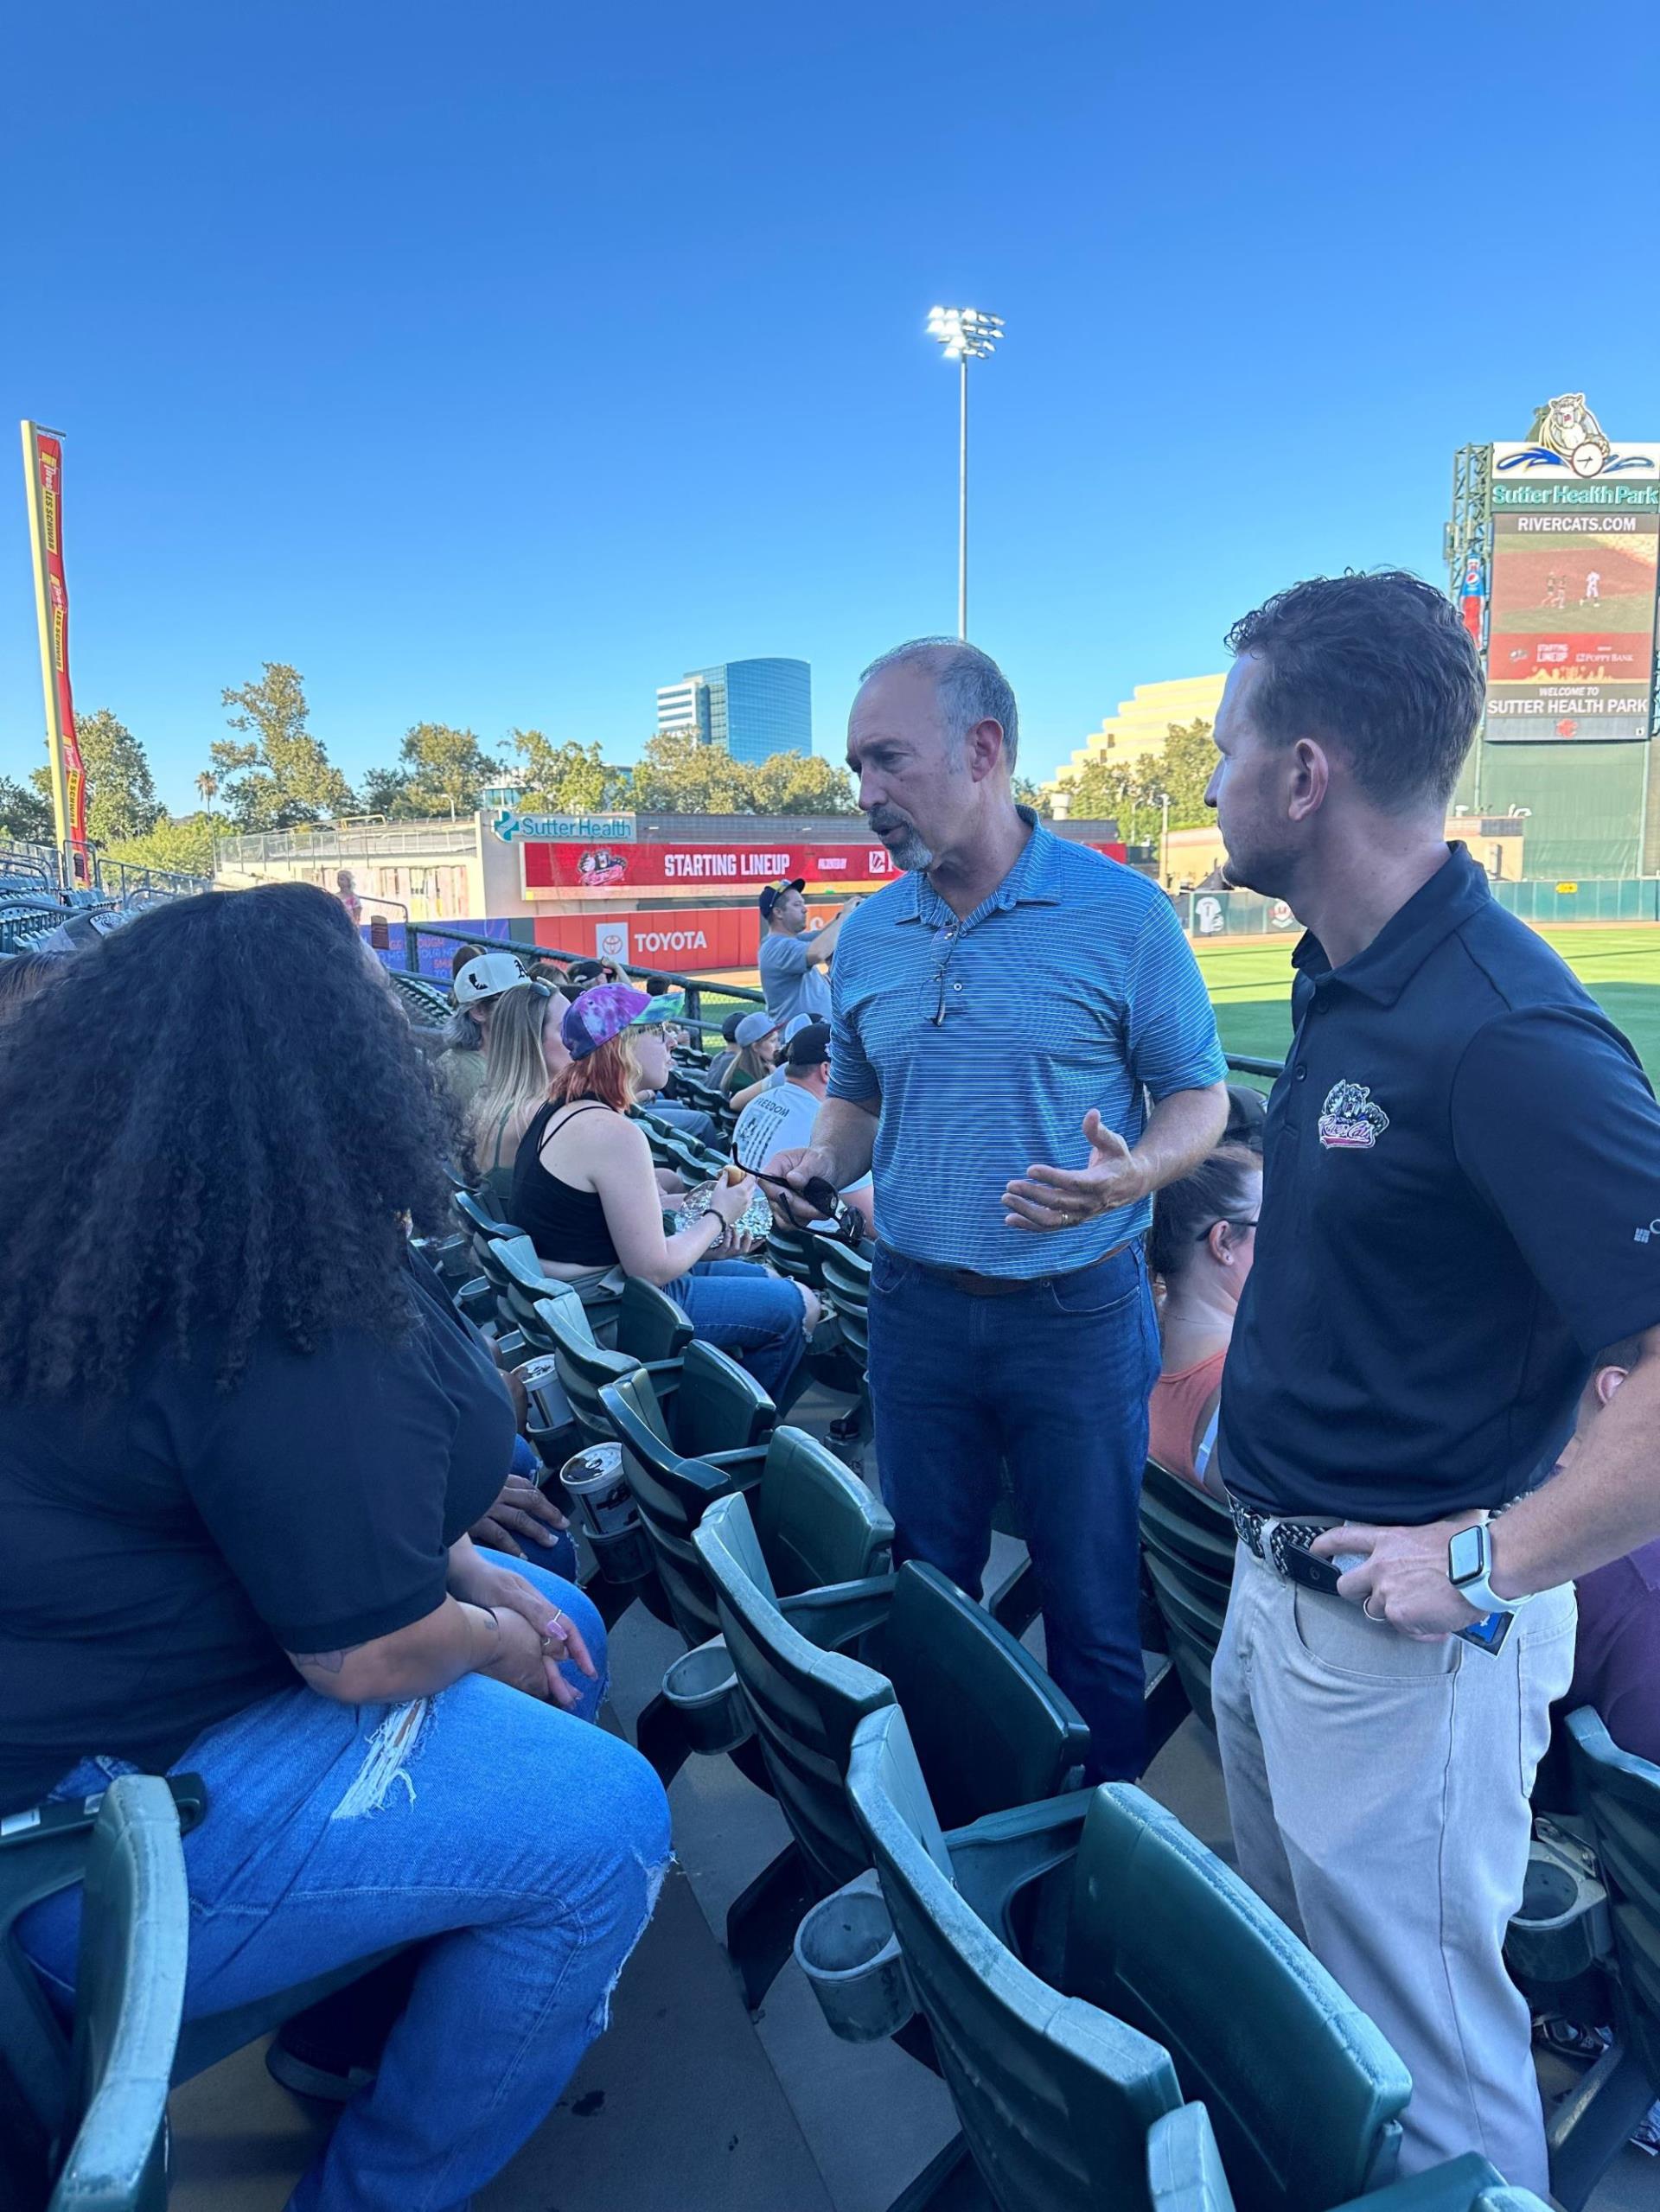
column 496, row 364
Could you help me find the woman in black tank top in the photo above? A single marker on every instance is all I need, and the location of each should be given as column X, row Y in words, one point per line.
column 563, row 1223
column 585, row 1192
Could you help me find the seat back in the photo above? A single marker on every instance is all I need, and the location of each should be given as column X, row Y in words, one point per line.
column 989, row 1728
column 719, row 1407
column 672, row 1493
column 511, row 1268
column 847, row 1276
column 134, row 1934
column 805, row 1702
column 1187, row 1544
column 1621, row 1795
column 583, row 1368
column 649, row 1325
column 795, row 1253
column 1185, row 2174
column 1055, row 2098
column 477, row 1221
column 816, row 1522
column 1303, row 2091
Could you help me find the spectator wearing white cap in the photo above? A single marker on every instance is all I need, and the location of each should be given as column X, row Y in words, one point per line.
column 479, row 979
column 794, row 963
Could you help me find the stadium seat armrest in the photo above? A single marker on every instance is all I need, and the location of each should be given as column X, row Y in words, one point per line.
column 840, row 1614
column 994, row 1859
column 1454, row 2187
column 748, row 1454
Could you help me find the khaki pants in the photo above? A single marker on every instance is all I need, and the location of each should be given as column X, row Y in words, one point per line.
column 1378, row 1790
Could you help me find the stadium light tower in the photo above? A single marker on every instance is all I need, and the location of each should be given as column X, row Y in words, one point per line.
column 964, row 334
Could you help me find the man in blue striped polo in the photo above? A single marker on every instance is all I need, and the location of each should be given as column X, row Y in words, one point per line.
column 1003, row 1014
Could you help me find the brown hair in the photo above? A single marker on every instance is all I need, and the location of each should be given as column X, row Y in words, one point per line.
column 611, row 1074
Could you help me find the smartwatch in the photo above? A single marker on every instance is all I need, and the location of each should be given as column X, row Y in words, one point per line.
column 1468, row 1563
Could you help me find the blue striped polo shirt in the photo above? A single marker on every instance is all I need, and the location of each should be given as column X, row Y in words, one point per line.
column 1071, row 986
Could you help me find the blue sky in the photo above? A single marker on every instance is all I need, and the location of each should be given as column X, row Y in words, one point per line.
column 495, row 364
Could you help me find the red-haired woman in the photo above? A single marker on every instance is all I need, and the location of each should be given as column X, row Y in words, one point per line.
column 585, row 1192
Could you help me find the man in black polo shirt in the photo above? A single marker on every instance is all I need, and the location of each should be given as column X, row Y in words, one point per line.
column 1462, row 1177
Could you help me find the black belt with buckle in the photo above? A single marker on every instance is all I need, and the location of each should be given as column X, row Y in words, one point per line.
column 1004, row 1287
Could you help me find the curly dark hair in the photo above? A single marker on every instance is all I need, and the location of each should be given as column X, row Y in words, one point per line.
column 214, row 1121
column 1382, row 665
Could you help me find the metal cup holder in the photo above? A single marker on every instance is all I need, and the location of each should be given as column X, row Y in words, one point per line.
column 849, row 1953
column 702, row 1688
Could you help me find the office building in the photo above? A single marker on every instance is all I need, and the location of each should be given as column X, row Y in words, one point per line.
column 1141, row 724
column 754, row 708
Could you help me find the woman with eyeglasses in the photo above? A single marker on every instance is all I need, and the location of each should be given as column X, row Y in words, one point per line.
column 1200, row 1247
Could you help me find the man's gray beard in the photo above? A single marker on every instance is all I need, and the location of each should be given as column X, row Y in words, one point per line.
column 912, row 853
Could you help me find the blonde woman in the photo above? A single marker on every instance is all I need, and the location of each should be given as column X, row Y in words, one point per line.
column 525, row 1052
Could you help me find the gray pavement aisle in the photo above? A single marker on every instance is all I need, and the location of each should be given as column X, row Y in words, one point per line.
column 686, row 2105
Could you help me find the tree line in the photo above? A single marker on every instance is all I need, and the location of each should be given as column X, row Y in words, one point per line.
column 274, row 774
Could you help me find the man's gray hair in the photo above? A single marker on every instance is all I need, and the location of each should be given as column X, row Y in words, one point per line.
column 972, row 687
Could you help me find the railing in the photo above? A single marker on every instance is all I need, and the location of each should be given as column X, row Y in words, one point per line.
column 330, row 842
column 403, row 942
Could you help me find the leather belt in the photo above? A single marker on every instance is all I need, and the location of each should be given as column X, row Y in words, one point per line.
column 1005, row 1286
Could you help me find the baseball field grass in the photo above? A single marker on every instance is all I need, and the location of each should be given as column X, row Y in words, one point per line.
column 1250, row 986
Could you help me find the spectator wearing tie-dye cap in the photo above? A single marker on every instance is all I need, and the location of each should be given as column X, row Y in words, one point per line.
column 585, row 1192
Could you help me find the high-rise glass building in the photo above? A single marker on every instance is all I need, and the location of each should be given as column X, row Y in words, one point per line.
column 754, row 708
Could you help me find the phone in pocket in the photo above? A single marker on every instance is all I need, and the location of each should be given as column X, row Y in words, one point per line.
column 1487, row 1634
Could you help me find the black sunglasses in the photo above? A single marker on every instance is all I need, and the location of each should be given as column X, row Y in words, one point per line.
column 825, row 1200
column 1226, row 1222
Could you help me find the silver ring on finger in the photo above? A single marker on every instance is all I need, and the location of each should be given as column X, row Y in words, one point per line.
column 1366, row 1608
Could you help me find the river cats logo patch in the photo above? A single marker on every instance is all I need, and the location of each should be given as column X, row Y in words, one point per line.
column 1350, row 1119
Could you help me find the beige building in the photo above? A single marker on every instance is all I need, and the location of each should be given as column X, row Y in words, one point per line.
column 1139, row 728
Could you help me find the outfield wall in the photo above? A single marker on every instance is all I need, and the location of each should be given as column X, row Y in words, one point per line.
column 1207, row 915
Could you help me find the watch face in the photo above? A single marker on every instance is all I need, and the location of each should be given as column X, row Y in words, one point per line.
column 1467, row 1555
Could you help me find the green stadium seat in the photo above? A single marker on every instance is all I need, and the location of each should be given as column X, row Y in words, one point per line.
column 846, row 1275
column 1618, row 1799
column 47, row 2081
column 1187, row 1550
column 1185, row 2174
column 815, row 1524
column 1084, row 1966
column 992, row 1728
column 135, row 1937
column 798, row 1255
column 1303, row 2091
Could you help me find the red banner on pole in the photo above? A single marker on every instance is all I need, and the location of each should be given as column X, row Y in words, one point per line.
column 48, row 500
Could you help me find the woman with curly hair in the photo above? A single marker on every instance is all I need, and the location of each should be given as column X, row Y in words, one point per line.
column 242, row 1438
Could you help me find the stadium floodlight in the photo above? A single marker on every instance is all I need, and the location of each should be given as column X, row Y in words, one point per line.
column 964, row 334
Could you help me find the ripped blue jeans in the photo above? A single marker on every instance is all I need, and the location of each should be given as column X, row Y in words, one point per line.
column 522, row 1844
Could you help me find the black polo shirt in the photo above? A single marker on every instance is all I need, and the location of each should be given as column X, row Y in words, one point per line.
column 1460, row 1208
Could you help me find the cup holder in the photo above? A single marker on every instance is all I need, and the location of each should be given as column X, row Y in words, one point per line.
column 703, row 1692
column 1561, row 1930
column 849, row 1953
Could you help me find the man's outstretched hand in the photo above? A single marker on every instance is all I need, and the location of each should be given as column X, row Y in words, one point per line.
column 798, row 1169
column 1059, row 1198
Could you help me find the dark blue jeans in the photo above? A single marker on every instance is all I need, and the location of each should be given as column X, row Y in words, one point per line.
column 1054, row 1381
